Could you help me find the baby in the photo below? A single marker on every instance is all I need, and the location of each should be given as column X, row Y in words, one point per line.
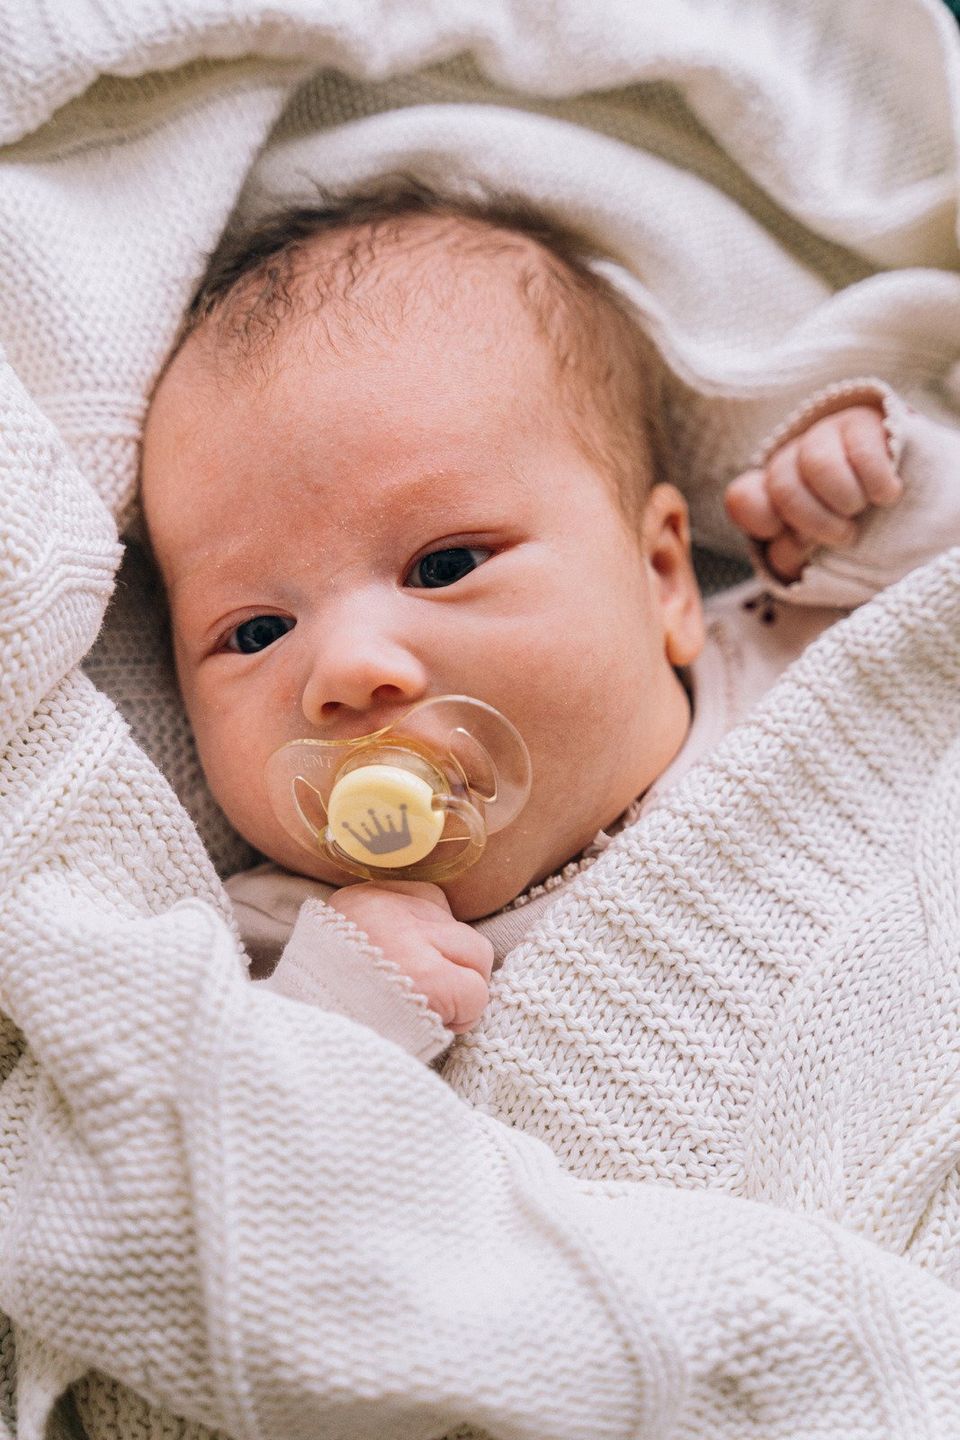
column 407, row 449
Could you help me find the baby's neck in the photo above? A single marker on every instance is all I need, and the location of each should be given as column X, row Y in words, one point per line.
column 479, row 893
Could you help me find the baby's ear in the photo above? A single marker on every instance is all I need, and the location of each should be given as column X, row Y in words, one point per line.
column 665, row 540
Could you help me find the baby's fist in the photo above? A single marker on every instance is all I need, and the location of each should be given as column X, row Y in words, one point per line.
column 813, row 488
column 449, row 963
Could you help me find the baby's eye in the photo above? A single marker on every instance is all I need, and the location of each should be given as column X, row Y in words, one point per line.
column 445, row 567
column 259, row 632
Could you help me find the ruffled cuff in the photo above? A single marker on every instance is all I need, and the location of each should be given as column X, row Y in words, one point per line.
column 329, row 962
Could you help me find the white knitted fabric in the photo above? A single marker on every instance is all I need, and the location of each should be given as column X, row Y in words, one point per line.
column 754, row 989
column 225, row 1211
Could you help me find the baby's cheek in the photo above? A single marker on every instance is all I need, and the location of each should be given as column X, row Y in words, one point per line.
column 566, row 723
column 233, row 764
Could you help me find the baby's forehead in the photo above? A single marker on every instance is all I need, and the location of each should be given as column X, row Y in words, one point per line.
column 363, row 284
column 419, row 294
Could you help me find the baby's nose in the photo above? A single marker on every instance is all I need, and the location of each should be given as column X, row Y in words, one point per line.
column 361, row 672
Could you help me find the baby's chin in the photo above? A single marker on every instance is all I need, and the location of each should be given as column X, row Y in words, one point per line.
column 499, row 876
column 514, row 860
column 486, row 887
column 473, row 895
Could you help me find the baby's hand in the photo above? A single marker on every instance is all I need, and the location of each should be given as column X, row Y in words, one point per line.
column 812, row 488
column 449, row 963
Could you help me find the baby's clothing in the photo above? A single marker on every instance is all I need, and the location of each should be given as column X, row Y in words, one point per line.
column 304, row 949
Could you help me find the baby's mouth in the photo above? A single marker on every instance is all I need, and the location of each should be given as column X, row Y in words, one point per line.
column 412, row 791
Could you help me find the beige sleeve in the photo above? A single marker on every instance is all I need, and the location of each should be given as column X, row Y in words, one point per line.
column 301, row 948
column 891, row 542
column 266, row 902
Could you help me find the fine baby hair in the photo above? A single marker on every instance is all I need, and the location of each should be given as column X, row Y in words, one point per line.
column 265, row 275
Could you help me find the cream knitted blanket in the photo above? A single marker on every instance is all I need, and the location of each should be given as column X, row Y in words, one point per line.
column 223, row 1210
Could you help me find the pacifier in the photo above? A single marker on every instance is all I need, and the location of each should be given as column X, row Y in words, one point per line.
column 413, row 801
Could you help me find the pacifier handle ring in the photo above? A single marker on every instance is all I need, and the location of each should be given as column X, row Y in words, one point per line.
column 466, row 811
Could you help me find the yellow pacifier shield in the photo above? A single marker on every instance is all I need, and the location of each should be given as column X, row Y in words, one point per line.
column 384, row 816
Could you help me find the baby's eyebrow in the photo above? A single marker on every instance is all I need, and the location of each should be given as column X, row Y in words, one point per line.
column 196, row 614
column 206, row 568
column 429, row 494
column 213, row 579
column 192, row 631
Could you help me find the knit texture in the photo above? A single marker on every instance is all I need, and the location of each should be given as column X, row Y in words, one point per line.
column 640, row 1031
column 223, row 1211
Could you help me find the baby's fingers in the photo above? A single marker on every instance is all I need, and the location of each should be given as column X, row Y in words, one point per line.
column 826, row 471
column 467, row 948
column 798, row 507
column 469, row 974
column 748, row 505
column 468, row 995
column 787, row 556
column 865, row 440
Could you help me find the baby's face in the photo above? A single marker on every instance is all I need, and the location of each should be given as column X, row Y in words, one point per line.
column 408, row 518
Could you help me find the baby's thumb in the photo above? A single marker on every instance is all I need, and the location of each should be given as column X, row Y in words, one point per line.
column 748, row 505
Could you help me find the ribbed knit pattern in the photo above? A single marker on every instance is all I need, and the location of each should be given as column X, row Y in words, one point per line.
column 640, row 1029
column 224, row 1211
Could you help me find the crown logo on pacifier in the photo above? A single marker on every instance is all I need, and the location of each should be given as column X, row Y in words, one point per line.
column 415, row 800
column 380, row 840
